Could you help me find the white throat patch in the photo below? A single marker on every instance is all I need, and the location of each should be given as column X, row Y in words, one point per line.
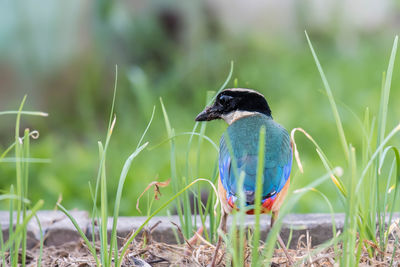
column 237, row 114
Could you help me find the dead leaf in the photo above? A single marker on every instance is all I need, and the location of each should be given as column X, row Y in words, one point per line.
column 157, row 192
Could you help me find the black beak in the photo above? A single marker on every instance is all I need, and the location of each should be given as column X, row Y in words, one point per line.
column 209, row 113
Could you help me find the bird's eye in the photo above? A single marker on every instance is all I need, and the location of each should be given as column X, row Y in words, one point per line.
column 224, row 99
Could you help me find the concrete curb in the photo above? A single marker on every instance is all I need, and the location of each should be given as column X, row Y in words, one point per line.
column 58, row 228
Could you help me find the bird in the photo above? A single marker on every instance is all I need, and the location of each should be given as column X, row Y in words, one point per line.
column 246, row 111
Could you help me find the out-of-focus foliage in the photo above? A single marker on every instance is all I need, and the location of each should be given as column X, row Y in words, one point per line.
column 63, row 55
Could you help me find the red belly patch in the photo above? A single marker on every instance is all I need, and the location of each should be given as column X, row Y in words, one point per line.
column 266, row 206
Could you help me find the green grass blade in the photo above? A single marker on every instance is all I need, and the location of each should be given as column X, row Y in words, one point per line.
column 385, row 93
column 11, row 224
column 2, row 251
column 103, row 208
column 147, row 128
column 198, row 204
column 395, row 246
column 385, row 204
column 373, row 157
column 39, row 260
column 25, row 160
column 241, row 217
column 99, row 179
column 19, row 181
column 121, row 182
column 366, row 147
column 25, row 173
column 257, row 208
column 331, row 101
column 111, row 124
column 396, row 185
column 166, row 119
column 124, row 173
column 350, row 226
column 382, row 118
column 93, row 216
column 114, row 97
column 174, row 178
column 12, row 196
column 81, row 233
column 31, row 113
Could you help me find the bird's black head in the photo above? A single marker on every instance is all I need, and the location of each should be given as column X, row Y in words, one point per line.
column 232, row 104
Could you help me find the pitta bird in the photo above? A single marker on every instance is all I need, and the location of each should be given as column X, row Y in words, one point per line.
column 246, row 111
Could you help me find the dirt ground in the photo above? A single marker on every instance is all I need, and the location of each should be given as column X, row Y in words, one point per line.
column 199, row 252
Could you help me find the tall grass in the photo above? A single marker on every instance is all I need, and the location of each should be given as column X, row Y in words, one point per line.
column 110, row 254
column 19, row 204
column 257, row 202
column 366, row 204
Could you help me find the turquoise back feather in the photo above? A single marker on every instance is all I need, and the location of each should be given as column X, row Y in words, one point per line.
column 243, row 137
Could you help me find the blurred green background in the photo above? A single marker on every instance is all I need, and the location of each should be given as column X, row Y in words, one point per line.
column 62, row 54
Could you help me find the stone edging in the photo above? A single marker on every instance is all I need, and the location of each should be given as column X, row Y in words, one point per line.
column 59, row 230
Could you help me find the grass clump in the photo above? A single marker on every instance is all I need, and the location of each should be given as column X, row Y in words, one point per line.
column 364, row 189
column 20, row 209
column 110, row 253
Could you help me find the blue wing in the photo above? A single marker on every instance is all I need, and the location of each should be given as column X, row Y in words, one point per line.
column 242, row 137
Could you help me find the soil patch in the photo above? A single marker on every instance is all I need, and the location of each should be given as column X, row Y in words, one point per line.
column 200, row 254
